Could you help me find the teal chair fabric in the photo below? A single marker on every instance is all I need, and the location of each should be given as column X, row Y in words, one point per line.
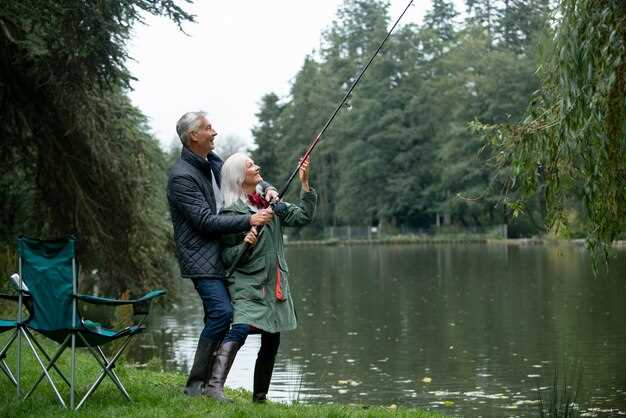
column 6, row 325
column 49, row 269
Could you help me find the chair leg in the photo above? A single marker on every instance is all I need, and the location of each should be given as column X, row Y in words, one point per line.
column 73, row 372
column 54, row 366
column 45, row 370
column 107, row 367
column 51, row 364
column 3, row 364
column 18, row 362
column 5, row 368
column 110, row 365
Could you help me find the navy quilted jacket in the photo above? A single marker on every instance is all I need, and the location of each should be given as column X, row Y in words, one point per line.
column 197, row 226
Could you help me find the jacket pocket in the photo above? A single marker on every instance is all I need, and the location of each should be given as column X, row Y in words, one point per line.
column 252, row 267
column 247, row 293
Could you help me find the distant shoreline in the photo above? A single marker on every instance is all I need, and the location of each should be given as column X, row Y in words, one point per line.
column 446, row 240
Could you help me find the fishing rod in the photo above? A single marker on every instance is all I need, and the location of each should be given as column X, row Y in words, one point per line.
column 312, row 146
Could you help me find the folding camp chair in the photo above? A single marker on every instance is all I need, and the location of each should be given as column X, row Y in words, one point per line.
column 12, row 325
column 49, row 269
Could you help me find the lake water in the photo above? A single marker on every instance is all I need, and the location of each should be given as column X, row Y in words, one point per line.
column 465, row 329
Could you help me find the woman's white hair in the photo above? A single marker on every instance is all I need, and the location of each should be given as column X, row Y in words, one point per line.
column 233, row 175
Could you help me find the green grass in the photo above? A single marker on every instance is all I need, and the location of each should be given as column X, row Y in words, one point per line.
column 155, row 394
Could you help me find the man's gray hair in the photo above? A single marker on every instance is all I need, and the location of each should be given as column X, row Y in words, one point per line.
column 188, row 122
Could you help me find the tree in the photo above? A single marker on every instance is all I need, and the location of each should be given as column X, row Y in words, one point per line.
column 440, row 19
column 482, row 14
column 364, row 129
column 267, row 137
column 69, row 131
column 573, row 137
column 519, row 20
column 314, row 94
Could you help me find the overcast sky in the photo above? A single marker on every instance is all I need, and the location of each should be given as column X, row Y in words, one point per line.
column 233, row 55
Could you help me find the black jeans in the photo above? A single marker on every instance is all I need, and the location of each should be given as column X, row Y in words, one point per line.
column 269, row 341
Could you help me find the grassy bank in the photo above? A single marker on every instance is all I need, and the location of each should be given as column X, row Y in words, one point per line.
column 157, row 394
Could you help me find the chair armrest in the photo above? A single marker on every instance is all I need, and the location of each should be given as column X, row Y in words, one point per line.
column 116, row 302
column 16, row 298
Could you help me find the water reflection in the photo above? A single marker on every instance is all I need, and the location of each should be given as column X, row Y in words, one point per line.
column 468, row 329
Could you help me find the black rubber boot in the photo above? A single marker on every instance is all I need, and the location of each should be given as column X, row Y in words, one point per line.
column 221, row 366
column 202, row 364
column 263, row 369
column 265, row 366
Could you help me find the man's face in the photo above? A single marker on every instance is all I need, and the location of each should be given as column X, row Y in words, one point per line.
column 204, row 136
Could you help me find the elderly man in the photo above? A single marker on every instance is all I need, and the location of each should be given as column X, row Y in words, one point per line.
column 195, row 199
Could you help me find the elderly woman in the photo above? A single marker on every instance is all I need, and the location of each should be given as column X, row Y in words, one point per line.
column 259, row 286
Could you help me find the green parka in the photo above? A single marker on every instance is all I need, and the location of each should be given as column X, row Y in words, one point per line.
column 253, row 285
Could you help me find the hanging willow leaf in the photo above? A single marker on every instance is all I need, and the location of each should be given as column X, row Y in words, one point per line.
column 576, row 124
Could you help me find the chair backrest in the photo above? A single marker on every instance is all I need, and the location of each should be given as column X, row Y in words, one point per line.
column 49, row 270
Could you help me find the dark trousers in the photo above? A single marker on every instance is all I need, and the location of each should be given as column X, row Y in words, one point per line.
column 269, row 341
column 218, row 311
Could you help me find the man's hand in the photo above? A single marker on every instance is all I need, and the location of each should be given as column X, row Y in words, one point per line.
column 262, row 217
column 251, row 237
column 271, row 195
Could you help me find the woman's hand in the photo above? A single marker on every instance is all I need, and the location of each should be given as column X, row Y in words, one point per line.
column 304, row 174
column 251, row 236
column 271, row 195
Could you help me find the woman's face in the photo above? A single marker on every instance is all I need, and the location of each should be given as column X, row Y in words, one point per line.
column 253, row 174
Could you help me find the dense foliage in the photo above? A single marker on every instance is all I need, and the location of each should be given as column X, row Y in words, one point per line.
column 400, row 154
column 572, row 141
column 75, row 155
